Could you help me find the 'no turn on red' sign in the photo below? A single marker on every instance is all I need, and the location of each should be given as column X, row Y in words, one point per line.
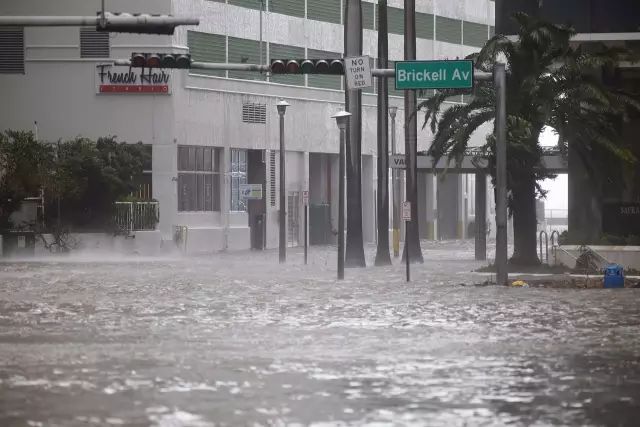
column 357, row 70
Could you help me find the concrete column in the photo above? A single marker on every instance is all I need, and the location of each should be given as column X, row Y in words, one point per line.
column 431, row 185
column 585, row 207
column 461, row 211
column 305, row 187
column 422, row 204
column 481, row 216
column 225, row 196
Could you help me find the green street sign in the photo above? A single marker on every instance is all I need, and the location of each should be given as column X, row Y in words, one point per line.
column 454, row 74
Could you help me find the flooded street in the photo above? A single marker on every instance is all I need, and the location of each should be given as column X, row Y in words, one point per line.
column 236, row 339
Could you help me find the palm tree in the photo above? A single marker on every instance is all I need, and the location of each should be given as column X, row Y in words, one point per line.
column 549, row 83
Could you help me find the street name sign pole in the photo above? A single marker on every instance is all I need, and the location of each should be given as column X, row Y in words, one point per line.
column 460, row 74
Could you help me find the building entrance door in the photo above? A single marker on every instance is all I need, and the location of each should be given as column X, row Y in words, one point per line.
column 257, row 174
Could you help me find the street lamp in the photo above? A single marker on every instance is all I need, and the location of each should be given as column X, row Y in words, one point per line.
column 342, row 119
column 282, row 109
column 395, row 182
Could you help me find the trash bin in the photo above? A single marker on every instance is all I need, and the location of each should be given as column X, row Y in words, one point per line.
column 614, row 276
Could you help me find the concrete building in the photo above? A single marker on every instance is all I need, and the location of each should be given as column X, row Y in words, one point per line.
column 211, row 132
column 611, row 202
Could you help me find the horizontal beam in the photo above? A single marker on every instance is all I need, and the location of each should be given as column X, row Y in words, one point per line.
column 81, row 21
column 553, row 163
column 376, row 72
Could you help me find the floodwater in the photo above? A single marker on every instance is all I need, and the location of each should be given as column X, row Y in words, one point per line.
column 238, row 340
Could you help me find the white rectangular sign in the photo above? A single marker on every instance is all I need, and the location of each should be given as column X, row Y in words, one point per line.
column 357, row 69
column 406, row 211
column 251, row 191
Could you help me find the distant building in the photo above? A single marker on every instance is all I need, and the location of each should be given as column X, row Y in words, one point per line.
column 213, row 131
column 614, row 23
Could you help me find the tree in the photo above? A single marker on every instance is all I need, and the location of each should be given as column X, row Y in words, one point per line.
column 549, row 83
column 23, row 164
column 89, row 177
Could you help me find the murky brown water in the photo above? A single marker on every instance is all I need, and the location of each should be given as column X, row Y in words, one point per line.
column 240, row 340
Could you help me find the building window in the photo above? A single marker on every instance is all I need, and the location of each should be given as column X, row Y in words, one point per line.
column 238, row 177
column 198, row 179
column 272, row 177
column 11, row 50
column 207, row 47
column 94, row 44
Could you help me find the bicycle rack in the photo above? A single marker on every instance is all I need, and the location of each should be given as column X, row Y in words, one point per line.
column 555, row 243
column 546, row 240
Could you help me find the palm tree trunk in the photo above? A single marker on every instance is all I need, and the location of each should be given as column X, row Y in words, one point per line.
column 383, row 256
column 525, row 225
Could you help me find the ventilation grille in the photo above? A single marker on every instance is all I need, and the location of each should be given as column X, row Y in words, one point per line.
column 11, row 50
column 254, row 113
column 94, row 44
column 272, row 177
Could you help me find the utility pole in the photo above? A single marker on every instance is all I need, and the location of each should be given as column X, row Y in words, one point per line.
column 354, row 255
column 412, row 240
column 500, row 82
column 382, row 252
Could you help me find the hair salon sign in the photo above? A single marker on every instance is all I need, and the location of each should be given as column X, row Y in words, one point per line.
column 127, row 80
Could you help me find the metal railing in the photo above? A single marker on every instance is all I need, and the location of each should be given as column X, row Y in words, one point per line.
column 137, row 216
column 556, row 213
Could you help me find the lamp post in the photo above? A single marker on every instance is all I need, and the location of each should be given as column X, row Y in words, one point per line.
column 282, row 109
column 393, row 110
column 342, row 119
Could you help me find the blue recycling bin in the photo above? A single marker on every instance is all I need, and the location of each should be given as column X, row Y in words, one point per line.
column 613, row 276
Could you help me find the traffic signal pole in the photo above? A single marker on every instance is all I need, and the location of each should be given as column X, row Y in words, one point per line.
column 82, row 21
column 412, row 248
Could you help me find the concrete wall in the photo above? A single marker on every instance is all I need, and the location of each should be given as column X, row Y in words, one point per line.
column 627, row 256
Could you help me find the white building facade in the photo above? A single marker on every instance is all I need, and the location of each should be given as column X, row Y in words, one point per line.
column 211, row 132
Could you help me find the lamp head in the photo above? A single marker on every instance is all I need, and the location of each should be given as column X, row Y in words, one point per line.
column 342, row 118
column 282, row 106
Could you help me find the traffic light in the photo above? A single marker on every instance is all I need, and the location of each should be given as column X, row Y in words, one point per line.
column 140, row 23
column 161, row 60
column 307, row 66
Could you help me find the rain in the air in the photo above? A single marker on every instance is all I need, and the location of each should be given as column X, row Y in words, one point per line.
column 319, row 213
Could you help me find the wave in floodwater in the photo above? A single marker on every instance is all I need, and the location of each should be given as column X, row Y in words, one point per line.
column 238, row 339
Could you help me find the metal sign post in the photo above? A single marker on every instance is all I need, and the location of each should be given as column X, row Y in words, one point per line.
column 406, row 217
column 305, row 200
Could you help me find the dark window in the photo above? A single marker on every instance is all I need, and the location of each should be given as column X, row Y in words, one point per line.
column 198, row 179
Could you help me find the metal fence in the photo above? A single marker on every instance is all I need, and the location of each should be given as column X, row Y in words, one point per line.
column 137, row 216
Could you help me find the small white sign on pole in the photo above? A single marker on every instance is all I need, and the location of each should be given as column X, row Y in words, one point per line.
column 357, row 70
column 251, row 191
column 406, row 211
column 305, row 198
